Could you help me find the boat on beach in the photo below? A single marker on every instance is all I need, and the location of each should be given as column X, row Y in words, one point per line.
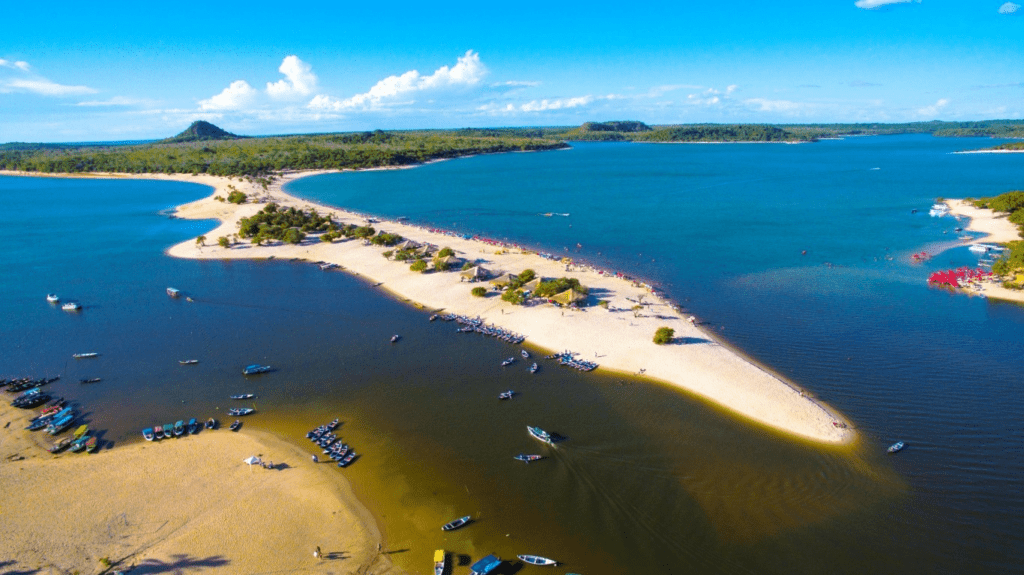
column 148, row 434
column 255, row 369
column 540, row 434
column 60, row 445
column 79, row 444
column 179, row 428
column 168, row 430
column 158, row 432
column 211, row 423
column 236, row 425
column 193, row 426
column 456, row 523
column 91, row 444
column 537, row 560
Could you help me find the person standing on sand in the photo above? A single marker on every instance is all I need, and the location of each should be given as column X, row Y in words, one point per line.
column 317, row 554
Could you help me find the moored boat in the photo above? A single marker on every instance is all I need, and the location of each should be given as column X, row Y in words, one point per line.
column 168, row 430
column 534, row 368
column 236, row 425
column 211, row 423
column 456, row 523
column 537, row 560
column 540, row 434
column 898, row 446
column 508, row 362
column 193, row 426
column 158, row 432
column 243, row 396
column 347, row 459
column 82, row 429
column 173, row 292
column 179, row 428
column 395, row 338
column 60, row 445
column 79, row 444
column 91, row 444
column 148, row 434
column 506, row 394
column 237, row 411
column 188, row 361
column 52, row 298
column 90, row 380
column 439, row 561
column 525, row 354
column 61, row 424
column 485, row 565
column 71, row 306
column 528, row 458
column 84, row 355
column 255, row 369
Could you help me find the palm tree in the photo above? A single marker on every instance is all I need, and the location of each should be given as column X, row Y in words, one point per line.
column 201, row 240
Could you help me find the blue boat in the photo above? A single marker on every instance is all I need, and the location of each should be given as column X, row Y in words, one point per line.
column 485, row 565
column 899, row 445
column 193, row 426
column 179, row 428
column 540, row 434
column 255, row 368
column 148, row 433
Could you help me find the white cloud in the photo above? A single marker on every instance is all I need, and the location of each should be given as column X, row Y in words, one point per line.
column 558, row 104
column 515, row 84
column 875, row 4
column 931, row 111
column 763, row 105
column 235, row 97
column 25, row 81
column 115, row 101
column 1009, row 8
column 468, row 72
column 299, row 79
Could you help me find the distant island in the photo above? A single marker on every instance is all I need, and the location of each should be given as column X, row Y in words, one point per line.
column 204, row 148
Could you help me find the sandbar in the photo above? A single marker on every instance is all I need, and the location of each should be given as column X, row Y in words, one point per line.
column 174, row 506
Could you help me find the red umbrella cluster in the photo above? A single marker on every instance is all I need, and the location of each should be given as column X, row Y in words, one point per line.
column 923, row 256
column 956, row 278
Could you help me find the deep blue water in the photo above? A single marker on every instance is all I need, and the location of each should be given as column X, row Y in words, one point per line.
column 721, row 228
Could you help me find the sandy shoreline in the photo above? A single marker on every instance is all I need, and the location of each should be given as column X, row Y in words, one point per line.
column 176, row 506
column 614, row 338
column 997, row 229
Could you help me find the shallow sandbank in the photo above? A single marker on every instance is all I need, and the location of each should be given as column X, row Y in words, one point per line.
column 180, row 505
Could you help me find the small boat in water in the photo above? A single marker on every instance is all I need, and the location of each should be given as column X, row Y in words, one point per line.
column 255, row 368
column 395, row 338
column 193, row 426
column 85, row 355
column 537, row 560
column 71, row 306
column 540, row 434
column 347, row 459
column 238, row 411
column 211, row 423
column 528, row 458
column 82, row 430
column 52, row 298
column 236, row 425
column 188, row 361
column 456, row 523
column 90, row 380
column 79, row 444
column 485, row 565
column 148, row 434
column 525, row 354
column 506, row 394
column 899, row 445
column 158, row 432
column 508, row 362
column 243, row 396
column 439, row 562
column 534, row 368
column 91, row 444
column 173, row 292
column 179, row 428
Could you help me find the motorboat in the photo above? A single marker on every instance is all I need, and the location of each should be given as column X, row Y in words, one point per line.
column 188, row 361
column 395, row 338
column 540, row 434
column 439, row 561
column 255, row 368
column 243, row 396
column 898, row 446
column 71, row 306
column 239, row 411
column 528, row 458
column 534, row 368
column 525, row 354
column 173, row 292
column 179, row 428
column 90, row 380
column 148, row 434
column 52, row 298
column 506, row 394
column 537, row 560
column 211, row 423
column 508, row 362
column 456, row 523
column 85, row 355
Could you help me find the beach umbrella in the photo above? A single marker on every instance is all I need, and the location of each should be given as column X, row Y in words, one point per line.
column 251, row 460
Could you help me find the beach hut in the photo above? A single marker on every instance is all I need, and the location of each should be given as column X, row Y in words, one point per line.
column 568, row 297
column 407, row 245
column 427, row 250
column 475, row 273
column 504, row 280
column 449, row 260
column 532, row 285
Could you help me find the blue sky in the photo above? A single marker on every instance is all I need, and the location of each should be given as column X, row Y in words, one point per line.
column 126, row 71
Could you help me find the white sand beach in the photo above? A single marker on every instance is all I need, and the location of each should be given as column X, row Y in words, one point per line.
column 998, row 230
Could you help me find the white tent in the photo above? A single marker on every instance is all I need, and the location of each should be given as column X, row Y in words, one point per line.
column 252, row 460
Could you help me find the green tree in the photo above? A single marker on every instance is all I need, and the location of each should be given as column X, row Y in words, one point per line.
column 513, row 296
column 223, row 242
column 479, row 291
column 293, row 236
column 201, row 240
column 236, row 197
column 527, row 275
column 418, row 266
column 445, row 252
column 664, row 335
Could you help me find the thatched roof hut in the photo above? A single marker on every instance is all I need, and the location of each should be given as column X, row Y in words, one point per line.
column 475, row 273
column 504, row 280
column 568, row 297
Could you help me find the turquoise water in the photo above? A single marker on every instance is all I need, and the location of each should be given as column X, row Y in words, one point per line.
column 650, row 481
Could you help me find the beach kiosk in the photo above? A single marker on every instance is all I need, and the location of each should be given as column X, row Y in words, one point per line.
column 504, row 280
column 568, row 297
column 475, row 273
column 450, row 261
column 485, row 565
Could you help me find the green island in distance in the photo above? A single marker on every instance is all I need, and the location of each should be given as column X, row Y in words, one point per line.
column 206, row 149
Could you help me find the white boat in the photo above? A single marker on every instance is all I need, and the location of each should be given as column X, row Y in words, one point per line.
column 173, row 292
column 52, row 298
column 540, row 434
column 506, row 394
column 899, row 445
column 537, row 560
column 85, row 355
column 188, row 361
column 456, row 523
column 508, row 361
column 534, row 368
column 395, row 338
column 527, row 457
column 71, row 306
column 525, row 354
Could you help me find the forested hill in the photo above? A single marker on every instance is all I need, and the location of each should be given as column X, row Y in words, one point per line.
column 266, row 156
column 201, row 131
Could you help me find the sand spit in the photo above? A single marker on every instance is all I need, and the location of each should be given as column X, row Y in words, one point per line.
column 617, row 338
column 998, row 230
column 181, row 505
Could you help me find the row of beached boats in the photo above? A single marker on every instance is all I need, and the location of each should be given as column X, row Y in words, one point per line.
column 335, row 449
column 477, row 325
column 179, row 428
column 567, row 358
column 24, row 383
column 56, row 418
